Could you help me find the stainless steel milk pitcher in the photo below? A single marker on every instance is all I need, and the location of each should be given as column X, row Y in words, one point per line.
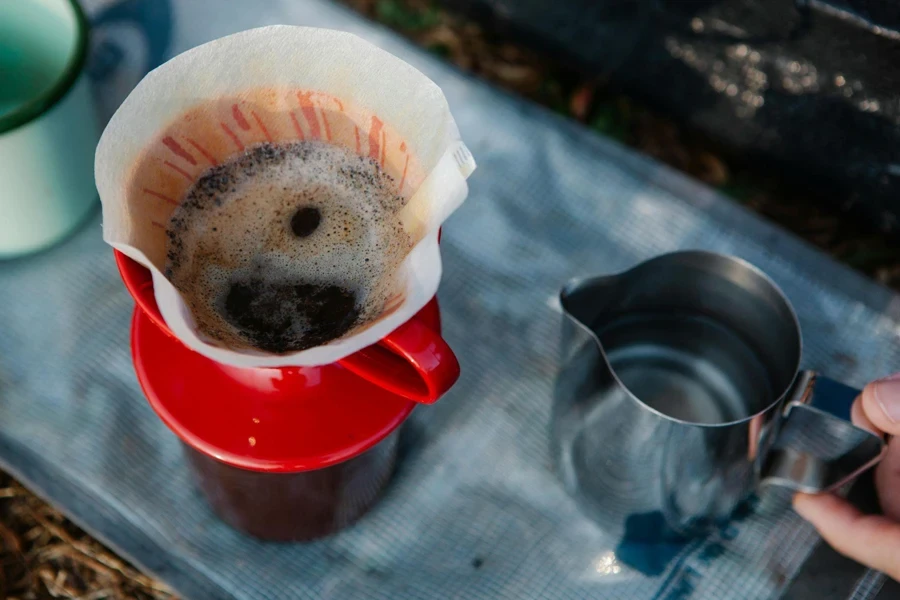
column 680, row 394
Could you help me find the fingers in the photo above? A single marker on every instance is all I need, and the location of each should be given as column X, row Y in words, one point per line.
column 872, row 540
column 875, row 409
column 859, row 418
column 880, row 402
column 887, row 480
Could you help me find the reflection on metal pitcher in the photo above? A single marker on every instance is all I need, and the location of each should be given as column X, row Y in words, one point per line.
column 680, row 395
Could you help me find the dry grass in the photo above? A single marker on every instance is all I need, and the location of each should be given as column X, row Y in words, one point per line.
column 43, row 556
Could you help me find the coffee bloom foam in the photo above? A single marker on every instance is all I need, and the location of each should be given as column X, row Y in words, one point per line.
column 286, row 247
column 279, row 88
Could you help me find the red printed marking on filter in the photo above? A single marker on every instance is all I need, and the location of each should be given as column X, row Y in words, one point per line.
column 394, row 298
column 239, row 117
column 262, row 127
column 340, row 106
column 327, row 128
column 383, row 146
column 175, row 167
column 212, row 159
column 171, row 201
column 374, row 134
column 297, row 127
column 403, row 178
column 392, row 304
column 170, row 143
column 356, row 131
column 233, row 136
column 309, row 113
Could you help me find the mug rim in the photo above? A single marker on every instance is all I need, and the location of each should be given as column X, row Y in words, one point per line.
column 39, row 105
column 743, row 263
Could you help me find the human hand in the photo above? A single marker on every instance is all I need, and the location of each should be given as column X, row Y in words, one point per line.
column 873, row 540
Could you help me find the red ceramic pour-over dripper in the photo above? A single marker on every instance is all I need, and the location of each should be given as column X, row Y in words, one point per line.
column 288, row 453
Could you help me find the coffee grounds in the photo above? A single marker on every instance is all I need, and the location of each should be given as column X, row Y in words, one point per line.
column 287, row 246
column 305, row 221
column 270, row 314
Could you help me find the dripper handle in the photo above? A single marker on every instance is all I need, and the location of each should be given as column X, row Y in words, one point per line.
column 413, row 361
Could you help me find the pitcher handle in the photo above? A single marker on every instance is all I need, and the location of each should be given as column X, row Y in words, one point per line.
column 413, row 361
column 817, row 448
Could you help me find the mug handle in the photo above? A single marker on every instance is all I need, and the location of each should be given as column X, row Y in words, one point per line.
column 816, row 448
column 413, row 361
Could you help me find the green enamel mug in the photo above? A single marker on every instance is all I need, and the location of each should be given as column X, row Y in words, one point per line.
column 48, row 129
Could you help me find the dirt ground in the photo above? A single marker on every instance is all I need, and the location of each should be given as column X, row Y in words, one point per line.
column 43, row 555
column 612, row 113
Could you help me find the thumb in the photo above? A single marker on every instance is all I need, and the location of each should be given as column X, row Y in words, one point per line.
column 873, row 540
column 881, row 404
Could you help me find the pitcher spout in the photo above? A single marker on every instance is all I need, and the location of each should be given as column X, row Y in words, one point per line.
column 585, row 300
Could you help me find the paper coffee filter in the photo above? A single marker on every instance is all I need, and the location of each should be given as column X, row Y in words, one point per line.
column 280, row 84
